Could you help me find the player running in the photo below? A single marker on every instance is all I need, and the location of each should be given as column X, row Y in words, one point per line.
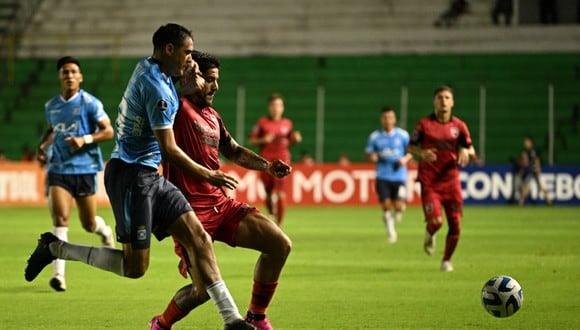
column 274, row 134
column 76, row 123
column 443, row 143
column 144, row 202
column 531, row 171
column 201, row 133
column 387, row 148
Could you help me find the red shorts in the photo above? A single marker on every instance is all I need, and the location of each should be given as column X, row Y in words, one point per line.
column 221, row 221
column 272, row 183
column 448, row 196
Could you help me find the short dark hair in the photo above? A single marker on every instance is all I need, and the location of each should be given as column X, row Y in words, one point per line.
column 387, row 109
column 441, row 89
column 170, row 33
column 65, row 60
column 274, row 96
column 205, row 61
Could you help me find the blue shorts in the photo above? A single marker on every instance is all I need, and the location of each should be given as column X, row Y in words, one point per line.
column 390, row 190
column 78, row 185
column 143, row 202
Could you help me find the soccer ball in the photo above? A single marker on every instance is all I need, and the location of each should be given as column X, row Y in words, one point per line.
column 502, row 296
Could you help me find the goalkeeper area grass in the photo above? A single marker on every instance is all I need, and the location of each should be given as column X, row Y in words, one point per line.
column 341, row 274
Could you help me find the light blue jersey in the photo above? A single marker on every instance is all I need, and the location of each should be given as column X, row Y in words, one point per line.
column 150, row 102
column 390, row 147
column 77, row 116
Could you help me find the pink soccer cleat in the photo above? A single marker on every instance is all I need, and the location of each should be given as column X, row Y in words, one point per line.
column 155, row 325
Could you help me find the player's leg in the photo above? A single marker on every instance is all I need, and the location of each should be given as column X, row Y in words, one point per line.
column 542, row 188
column 280, row 199
column 198, row 245
column 432, row 209
column 60, row 203
column 383, row 192
column 453, row 211
column 524, row 188
column 257, row 232
column 400, row 202
column 268, row 183
column 87, row 206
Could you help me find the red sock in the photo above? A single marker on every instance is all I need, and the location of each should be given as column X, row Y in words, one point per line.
column 281, row 207
column 171, row 315
column 262, row 294
column 452, row 238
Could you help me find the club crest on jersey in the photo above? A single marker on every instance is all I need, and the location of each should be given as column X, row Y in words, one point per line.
column 284, row 130
column 76, row 111
column 454, row 131
column 162, row 105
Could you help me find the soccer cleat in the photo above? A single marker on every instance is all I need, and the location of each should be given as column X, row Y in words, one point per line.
column 155, row 325
column 446, row 266
column 262, row 324
column 239, row 325
column 58, row 283
column 40, row 257
column 108, row 240
column 429, row 243
column 392, row 238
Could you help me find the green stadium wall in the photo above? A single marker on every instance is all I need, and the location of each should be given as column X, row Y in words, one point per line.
column 355, row 89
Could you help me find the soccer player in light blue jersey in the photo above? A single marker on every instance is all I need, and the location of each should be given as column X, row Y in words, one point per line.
column 76, row 123
column 387, row 148
column 143, row 201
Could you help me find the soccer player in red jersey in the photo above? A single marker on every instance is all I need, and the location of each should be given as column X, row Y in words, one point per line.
column 443, row 144
column 202, row 135
column 274, row 134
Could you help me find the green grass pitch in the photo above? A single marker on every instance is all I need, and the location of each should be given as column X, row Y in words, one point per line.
column 342, row 274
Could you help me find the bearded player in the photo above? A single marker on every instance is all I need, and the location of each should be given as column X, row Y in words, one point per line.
column 443, row 144
column 274, row 134
column 202, row 135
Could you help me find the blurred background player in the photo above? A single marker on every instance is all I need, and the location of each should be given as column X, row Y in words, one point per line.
column 76, row 123
column 274, row 134
column 144, row 202
column 443, row 143
column 531, row 170
column 201, row 134
column 387, row 148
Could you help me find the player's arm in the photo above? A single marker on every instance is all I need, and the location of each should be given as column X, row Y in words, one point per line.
column 172, row 153
column 246, row 158
column 405, row 159
column 466, row 154
column 45, row 141
column 428, row 155
column 295, row 138
column 372, row 157
column 104, row 133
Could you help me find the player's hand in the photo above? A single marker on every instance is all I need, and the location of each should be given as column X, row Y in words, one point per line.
column 192, row 79
column 220, row 179
column 403, row 161
column 279, row 169
column 374, row 157
column 269, row 138
column 463, row 157
column 429, row 155
column 76, row 142
column 296, row 137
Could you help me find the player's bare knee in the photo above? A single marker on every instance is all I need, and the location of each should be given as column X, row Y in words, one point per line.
column 135, row 271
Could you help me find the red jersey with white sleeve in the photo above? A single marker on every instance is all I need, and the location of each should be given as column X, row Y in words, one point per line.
column 198, row 132
column 446, row 138
column 282, row 131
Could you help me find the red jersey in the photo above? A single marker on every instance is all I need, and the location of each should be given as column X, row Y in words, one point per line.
column 278, row 148
column 446, row 138
column 199, row 133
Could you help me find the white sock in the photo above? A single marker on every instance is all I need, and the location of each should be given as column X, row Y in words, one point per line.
column 102, row 229
column 101, row 257
column 398, row 216
column 390, row 223
column 58, row 265
column 223, row 301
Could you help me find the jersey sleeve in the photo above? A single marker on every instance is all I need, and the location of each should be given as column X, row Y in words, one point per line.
column 417, row 135
column 256, row 130
column 370, row 147
column 464, row 136
column 157, row 106
column 225, row 136
column 97, row 111
column 406, row 138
